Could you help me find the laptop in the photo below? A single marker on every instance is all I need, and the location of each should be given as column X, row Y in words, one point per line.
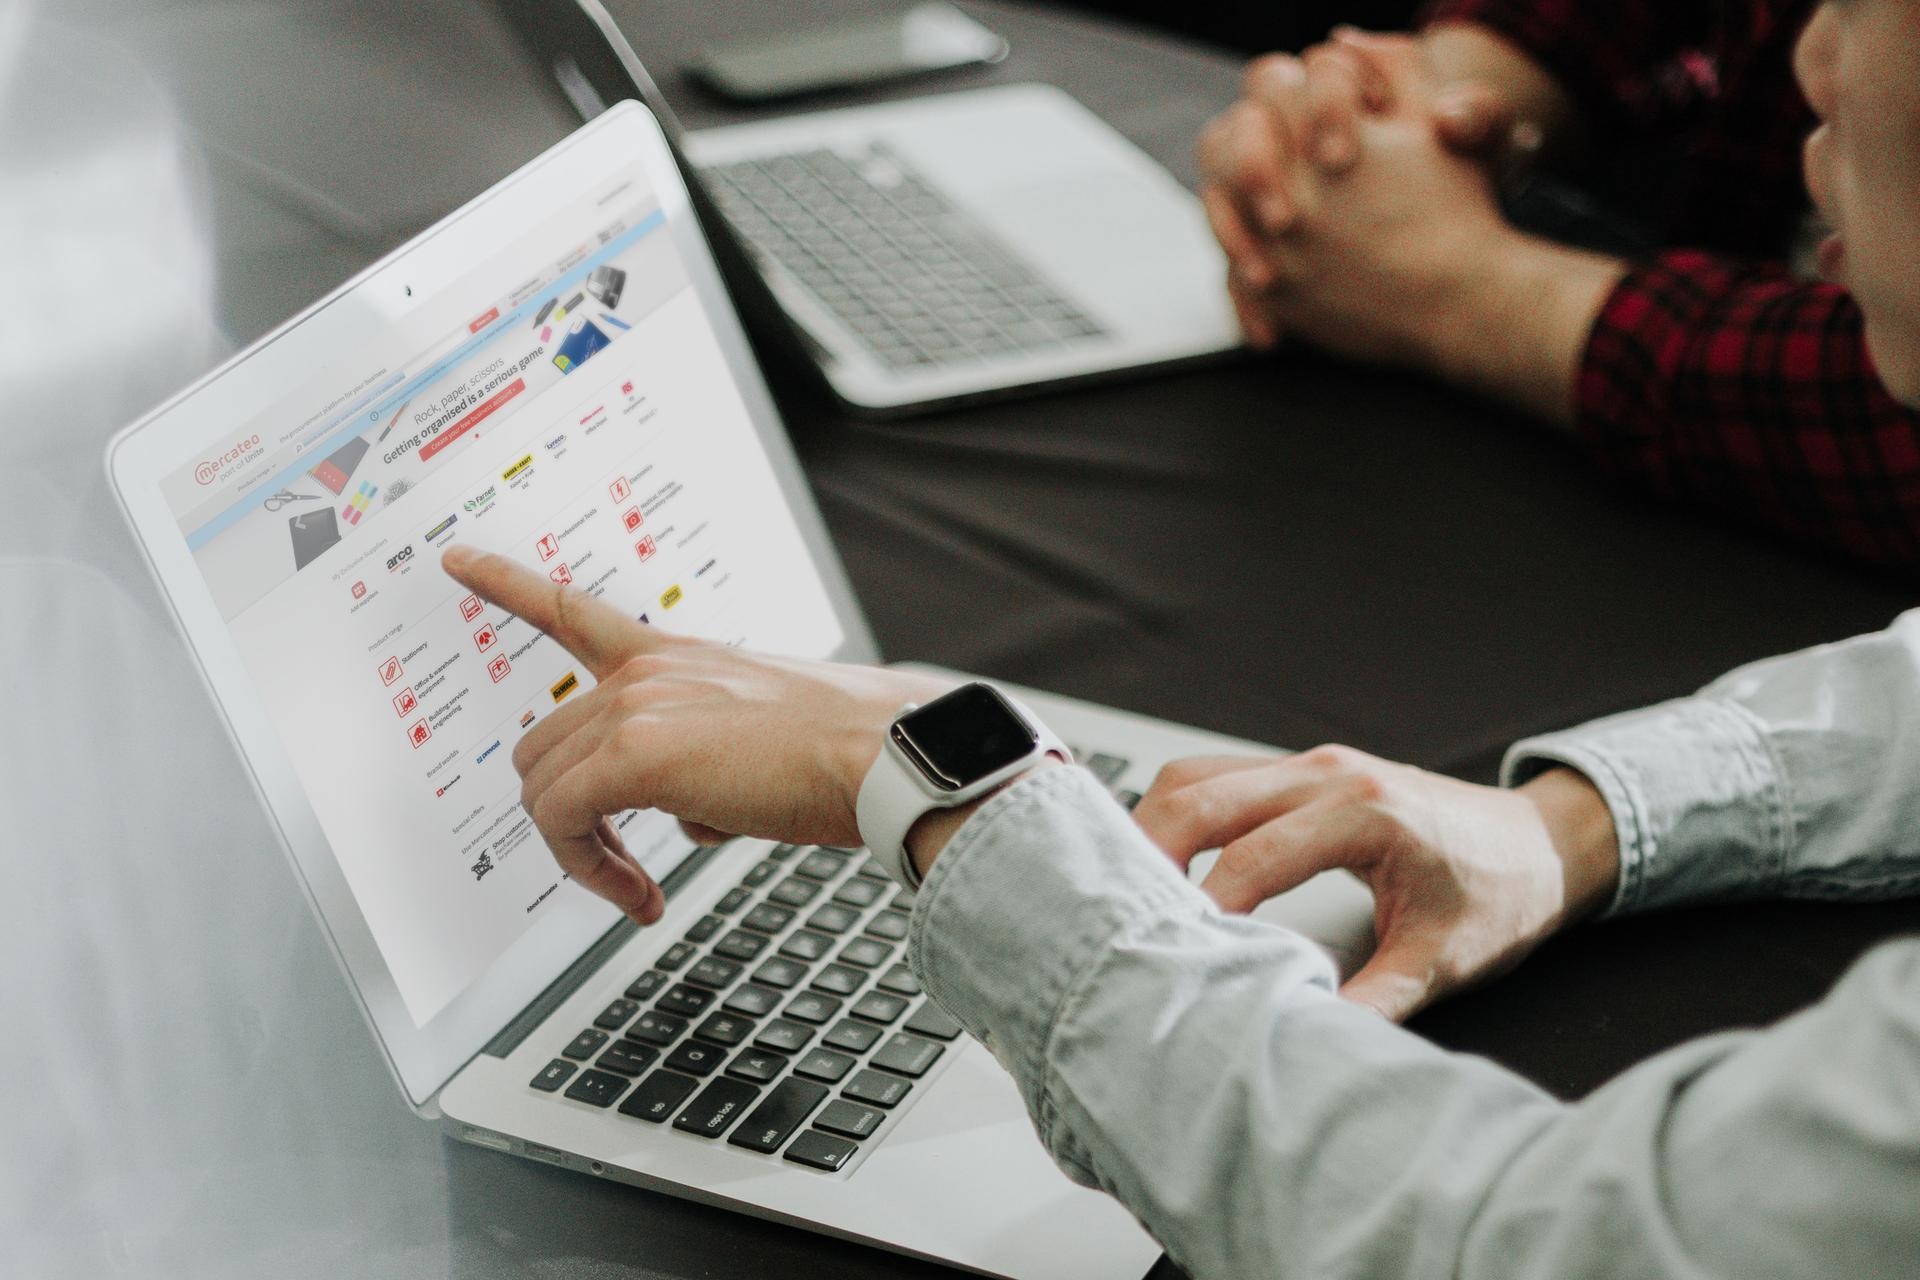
column 942, row 248
column 764, row 1047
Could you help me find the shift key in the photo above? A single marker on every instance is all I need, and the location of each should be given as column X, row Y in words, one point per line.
column 774, row 1120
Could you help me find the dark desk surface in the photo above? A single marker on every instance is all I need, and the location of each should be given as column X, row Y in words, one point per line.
column 1284, row 549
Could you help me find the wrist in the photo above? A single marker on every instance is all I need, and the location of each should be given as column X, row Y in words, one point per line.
column 1518, row 322
column 1581, row 829
column 928, row 836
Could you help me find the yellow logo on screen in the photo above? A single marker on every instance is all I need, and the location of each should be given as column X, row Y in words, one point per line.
column 517, row 468
column 671, row 597
column 568, row 683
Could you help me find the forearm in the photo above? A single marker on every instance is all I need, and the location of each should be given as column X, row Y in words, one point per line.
column 1516, row 325
column 1199, row 1068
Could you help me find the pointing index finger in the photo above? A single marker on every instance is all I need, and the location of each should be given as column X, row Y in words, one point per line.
column 589, row 628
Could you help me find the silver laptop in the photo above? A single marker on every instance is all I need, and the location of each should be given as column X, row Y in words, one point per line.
column 943, row 248
column 556, row 372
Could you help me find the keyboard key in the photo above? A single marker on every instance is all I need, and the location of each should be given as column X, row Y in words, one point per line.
column 854, row 1037
column 879, row 1006
column 781, row 852
column 733, row 900
column 903, row 900
column 767, row 918
column 1129, row 800
column 820, row 865
column 759, row 874
column 804, row 945
column 713, row 973
column 891, row 925
column 860, row 893
column 703, row 928
column 725, row 1028
column 811, row 1006
column 657, row 1096
column 553, row 1075
column 648, row 983
column 597, row 1088
column 628, row 1057
column 684, row 1001
column 741, row 945
column 674, row 956
column 794, row 892
column 931, row 1020
column 849, row 1118
column 782, row 1036
column 821, row 1151
column 824, row 1064
column 695, row 1058
column 617, row 1014
column 877, row 1087
column 1105, row 767
column 721, row 1103
column 775, row 1119
column 839, row 980
column 751, row 1001
column 585, row 1045
column 757, row 1065
column 868, row 953
column 779, row 972
column 908, row 1055
column 654, row 1027
column 900, row 981
column 872, row 870
column 833, row 918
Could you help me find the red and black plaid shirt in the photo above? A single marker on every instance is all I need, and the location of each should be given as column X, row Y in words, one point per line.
column 1722, row 379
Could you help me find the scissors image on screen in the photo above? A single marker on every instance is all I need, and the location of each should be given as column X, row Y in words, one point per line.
column 286, row 497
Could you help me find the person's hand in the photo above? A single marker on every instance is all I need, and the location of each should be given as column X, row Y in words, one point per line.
column 1466, row 879
column 1297, row 115
column 727, row 741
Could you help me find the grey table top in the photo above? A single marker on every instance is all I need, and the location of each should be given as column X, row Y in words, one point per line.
column 190, row 1090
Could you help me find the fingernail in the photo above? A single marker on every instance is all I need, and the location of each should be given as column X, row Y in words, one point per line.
column 457, row 554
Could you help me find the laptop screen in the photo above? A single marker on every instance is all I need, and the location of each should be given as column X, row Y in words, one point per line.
column 566, row 401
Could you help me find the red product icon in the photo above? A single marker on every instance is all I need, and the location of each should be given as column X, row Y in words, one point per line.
column 470, row 608
column 419, row 734
column 405, row 704
column 644, row 548
column 359, row 589
column 620, row 489
column 548, row 547
column 391, row 670
column 498, row 668
column 484, row 639
column 631, row 519
column 626, row 389
column 560, row 574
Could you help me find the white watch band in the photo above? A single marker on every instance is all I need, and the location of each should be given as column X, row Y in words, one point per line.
column 895, row 794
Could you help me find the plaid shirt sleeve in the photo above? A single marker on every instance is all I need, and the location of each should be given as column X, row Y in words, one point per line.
column 1740, row 387
column 1622, row 58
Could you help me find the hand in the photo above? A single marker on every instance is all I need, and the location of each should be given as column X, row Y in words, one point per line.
column 1466, row 880
column 1297, row 114
column 728, row 742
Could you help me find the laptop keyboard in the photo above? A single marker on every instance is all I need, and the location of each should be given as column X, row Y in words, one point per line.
column 786, row 1021
column 922, row 283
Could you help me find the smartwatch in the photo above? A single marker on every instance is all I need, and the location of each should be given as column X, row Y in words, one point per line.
column 954, row 749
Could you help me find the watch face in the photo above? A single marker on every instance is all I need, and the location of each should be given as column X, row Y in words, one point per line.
column 963, row 737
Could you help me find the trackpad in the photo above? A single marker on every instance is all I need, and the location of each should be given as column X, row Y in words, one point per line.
column 1333, row 909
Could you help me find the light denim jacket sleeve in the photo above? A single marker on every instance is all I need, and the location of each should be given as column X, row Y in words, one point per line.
column 1199, row 1068
column 1798, row 776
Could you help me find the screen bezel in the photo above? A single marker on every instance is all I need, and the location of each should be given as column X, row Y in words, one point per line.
column 424, row 1058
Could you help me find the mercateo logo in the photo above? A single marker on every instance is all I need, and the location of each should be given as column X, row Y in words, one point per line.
column 209, row 471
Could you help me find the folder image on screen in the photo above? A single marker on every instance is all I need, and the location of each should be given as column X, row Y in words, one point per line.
column 582, row 340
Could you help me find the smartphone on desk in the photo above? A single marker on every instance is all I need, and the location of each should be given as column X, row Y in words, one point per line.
column 890, row 46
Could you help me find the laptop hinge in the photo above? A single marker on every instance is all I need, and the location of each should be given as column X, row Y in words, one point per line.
column 542, row 1005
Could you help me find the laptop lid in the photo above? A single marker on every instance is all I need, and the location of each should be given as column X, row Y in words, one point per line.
column 554, row 372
